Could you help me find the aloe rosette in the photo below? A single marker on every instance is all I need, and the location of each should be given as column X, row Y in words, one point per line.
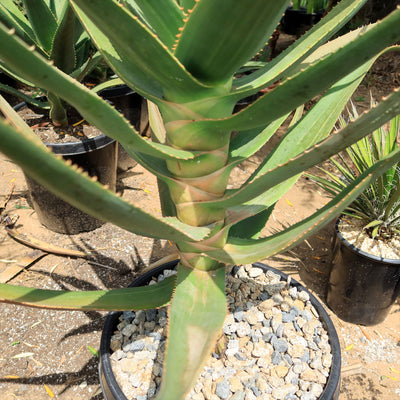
column 183, row 56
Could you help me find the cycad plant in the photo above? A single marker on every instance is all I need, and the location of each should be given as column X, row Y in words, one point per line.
column 53, row 29
column 183, row 57
column 378, row 206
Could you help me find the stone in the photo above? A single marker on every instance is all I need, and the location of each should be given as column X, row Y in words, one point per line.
column 235, row 384
column 280, row 345
column 254, row 272
column 266, row 305
column 260, row 349
column 240, row 395
column 303, row 296
column 281, row 371
column 129, row 330
column 243, row 329
column 276, row 358
column 316, row 389
column 253, row 316
column 267, row 355
column 281, row 392
column 223, row 389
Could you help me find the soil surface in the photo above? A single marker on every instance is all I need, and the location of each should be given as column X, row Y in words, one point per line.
column 49, row 354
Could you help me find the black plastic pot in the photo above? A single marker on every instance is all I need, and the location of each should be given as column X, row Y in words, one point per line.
column 112, row 391
column 362, row 287
column 297, row 22
column 97, row 156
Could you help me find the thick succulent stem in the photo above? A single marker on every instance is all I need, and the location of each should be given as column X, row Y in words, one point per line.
column 58, row 113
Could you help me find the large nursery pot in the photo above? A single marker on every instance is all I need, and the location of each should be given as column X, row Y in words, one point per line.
column 98, row 157
column 113, row 391
column 362, row 287
column 296, row 22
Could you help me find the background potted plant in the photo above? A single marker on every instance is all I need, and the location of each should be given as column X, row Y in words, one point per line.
column 56, row 33
column 303, row 14
column 365, row 276
column 171, row 54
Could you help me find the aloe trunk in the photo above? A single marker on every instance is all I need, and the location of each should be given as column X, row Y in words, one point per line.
column 183, row 56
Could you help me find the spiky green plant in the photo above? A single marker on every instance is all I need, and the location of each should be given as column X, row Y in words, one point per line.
column 378, row 206
column 182, row 56
column 54, row 30
column 311, row 6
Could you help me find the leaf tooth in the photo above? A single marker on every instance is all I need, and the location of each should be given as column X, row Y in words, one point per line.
column 11, row 31
column 94, row 178
column 68, row 162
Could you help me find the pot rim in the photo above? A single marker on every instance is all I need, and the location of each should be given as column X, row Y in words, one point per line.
column 360, row 252
column 74, row 148
column 331, row 388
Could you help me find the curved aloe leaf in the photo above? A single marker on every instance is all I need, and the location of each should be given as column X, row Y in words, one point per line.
column 92, row 107
column 86, row 194
column 24, row 97
column 289, row 59
column 135, row 64
column 137, row 298
column 242, row 251
column 162, row 17
column 63, row 42
column 12, row 17
column 312, row 128
column 230, row 49
column 294, row 92
column 43, row 22
column 201, row 294
column 371, row 120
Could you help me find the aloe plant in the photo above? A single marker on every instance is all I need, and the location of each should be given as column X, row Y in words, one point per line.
column 378, row 206
column 54, row 30
column 183, row 57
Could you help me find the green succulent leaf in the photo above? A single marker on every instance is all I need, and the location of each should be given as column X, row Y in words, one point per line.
column 86, row 194
column 63, row 46
column 202, row 295
column 186, row 4
column 43, row 21
column 307, row 132
column 12, row 17
column 24, row 97
column 163, row 17
column 231, row 48
column 137, row 298
column 285, row 63
column 135, row 64
column 92, row 107
column 242, row 251
column 295, row 91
